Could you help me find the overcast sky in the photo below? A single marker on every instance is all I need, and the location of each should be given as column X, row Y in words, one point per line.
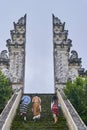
column 39, row 76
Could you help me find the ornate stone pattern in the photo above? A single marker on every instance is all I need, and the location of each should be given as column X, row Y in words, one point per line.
column 60, row 67
column 3, row 55
column 73, row 72
column 16, row 47
column 61, row 51
column 4, row 58
column 17, row 65
column 82, row 72
column 66, row 66
column 74, row 65
column 74, row 58
column 4, row 63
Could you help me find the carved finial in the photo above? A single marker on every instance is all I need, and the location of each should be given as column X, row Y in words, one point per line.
column 82, row 72
column 74, row 54
column 74, row 57
column 56, row 20
column 4, row 54
column 8, row 41
column 4, row 58
column 22, row 20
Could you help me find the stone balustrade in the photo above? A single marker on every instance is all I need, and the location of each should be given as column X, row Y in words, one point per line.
column 72, row 117
column 9, row 111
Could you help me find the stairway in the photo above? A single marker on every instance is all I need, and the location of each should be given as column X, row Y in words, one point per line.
column 46, row 120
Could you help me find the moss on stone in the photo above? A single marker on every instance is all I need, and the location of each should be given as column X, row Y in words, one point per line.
column 46, row 120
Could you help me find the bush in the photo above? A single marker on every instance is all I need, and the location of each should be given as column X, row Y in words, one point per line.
column 76, row 92
column 5, row 91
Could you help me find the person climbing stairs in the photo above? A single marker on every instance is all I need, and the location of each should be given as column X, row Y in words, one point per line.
column 46, row 120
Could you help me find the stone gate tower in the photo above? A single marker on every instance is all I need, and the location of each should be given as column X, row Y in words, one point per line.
column 66, row 66
column 16, row 49
column 61, row 48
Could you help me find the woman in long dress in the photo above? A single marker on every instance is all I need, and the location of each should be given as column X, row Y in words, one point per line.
column 36, row 107
column 54, row 108
column 24, row 104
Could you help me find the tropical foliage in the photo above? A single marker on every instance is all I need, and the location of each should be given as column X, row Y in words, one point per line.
column 76, row 92
column 5, row 91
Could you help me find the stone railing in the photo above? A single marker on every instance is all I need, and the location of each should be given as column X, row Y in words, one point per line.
column 73, row 119
column 9, row 111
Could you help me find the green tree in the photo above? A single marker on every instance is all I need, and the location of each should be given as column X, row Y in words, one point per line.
column 76, row 92
column 5, row 91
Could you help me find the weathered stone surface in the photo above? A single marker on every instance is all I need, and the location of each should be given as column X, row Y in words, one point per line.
column 66, row 66
column 61, row 51
column 6, row 111
column 16, row 48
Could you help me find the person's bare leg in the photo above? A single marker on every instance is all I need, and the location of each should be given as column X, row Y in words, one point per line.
column 55, row 119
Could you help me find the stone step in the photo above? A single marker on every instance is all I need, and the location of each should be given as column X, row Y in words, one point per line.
column 46, row 120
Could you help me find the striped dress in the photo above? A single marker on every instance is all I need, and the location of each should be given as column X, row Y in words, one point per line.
column 25, row 101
